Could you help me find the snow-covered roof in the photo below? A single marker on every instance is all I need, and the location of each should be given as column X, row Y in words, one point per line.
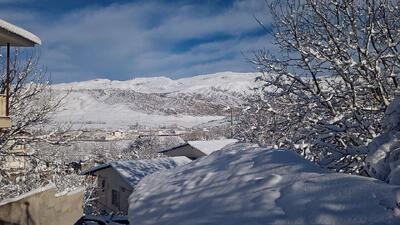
column 245, row 184
column 134, row 170
column 173, row 148
column 208, row 147
column 16, row 36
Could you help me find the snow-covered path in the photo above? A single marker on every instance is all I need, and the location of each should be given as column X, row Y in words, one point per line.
column 248, row 185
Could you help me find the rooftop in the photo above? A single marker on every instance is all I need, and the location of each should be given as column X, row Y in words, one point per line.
column 16, row 36
column 207, row 147
column 134, row 170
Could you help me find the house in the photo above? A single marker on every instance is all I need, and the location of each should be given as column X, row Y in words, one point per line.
column 117, row 180
column 12, row 36
column 16, row 163
column 18, row 157
column 196, row 149
column 115, row 135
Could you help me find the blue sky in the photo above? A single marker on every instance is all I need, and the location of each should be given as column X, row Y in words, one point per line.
column 88, row 39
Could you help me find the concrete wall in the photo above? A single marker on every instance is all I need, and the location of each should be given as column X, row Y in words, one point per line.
column 112, row 181
column 185, row 150
column 42, row 207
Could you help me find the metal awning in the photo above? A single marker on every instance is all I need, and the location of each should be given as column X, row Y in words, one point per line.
column 16, row 36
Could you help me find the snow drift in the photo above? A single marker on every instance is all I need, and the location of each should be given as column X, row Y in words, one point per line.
column 245, row 184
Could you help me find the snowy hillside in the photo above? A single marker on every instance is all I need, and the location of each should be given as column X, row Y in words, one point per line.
column 245, row 184
column 228, row 81
column 153, row 102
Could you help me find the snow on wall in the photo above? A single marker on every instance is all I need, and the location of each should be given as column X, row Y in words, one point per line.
column 246, row 184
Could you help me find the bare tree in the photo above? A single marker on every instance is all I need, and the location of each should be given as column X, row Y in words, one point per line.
column 31, row 101
column 336, row 72
column 31, row 104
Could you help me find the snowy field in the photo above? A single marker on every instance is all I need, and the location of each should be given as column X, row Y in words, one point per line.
column 248, row 185
column 97, row 115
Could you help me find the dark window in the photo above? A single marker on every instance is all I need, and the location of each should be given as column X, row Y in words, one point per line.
column 115, row 198
column 103, row 185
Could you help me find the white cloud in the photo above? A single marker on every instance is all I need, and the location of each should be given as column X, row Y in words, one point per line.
column 122, row 40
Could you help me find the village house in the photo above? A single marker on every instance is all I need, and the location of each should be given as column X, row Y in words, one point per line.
column 17, row 159
column 117, row 180
column 115, row 135
column 11, row 36
column 196, row 149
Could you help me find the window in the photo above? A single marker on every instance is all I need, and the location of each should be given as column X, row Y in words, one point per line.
column 115, row 196
column 103, row 185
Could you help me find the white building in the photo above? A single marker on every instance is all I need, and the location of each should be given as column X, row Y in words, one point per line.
column 115, row 135
column 196, row 149
column 18, row 158
column 117, row 180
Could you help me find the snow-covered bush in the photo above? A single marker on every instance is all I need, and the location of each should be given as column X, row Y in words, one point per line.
column 330, row 84
column 384, row 151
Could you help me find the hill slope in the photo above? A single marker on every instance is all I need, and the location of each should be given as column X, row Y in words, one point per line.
column 153, row 102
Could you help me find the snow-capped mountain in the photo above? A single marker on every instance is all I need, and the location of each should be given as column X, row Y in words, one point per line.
column 153, row 102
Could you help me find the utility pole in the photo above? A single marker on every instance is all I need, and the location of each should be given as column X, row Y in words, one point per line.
column 231, row 110
column 8, row 81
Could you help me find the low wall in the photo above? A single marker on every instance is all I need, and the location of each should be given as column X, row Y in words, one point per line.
column 42, row 207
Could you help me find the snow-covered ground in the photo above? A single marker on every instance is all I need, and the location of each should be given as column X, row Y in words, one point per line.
column 152, row 102
column 247, row 185
column 89, row 113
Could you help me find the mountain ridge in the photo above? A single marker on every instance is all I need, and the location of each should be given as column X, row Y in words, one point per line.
column 155, row 101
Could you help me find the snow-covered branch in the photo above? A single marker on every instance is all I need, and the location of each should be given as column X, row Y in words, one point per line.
column 335, row 76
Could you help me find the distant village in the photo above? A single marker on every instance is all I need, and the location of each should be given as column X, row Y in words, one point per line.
column 21, row 151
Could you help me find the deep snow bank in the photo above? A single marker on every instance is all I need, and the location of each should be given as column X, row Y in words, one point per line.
column 249, row 185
